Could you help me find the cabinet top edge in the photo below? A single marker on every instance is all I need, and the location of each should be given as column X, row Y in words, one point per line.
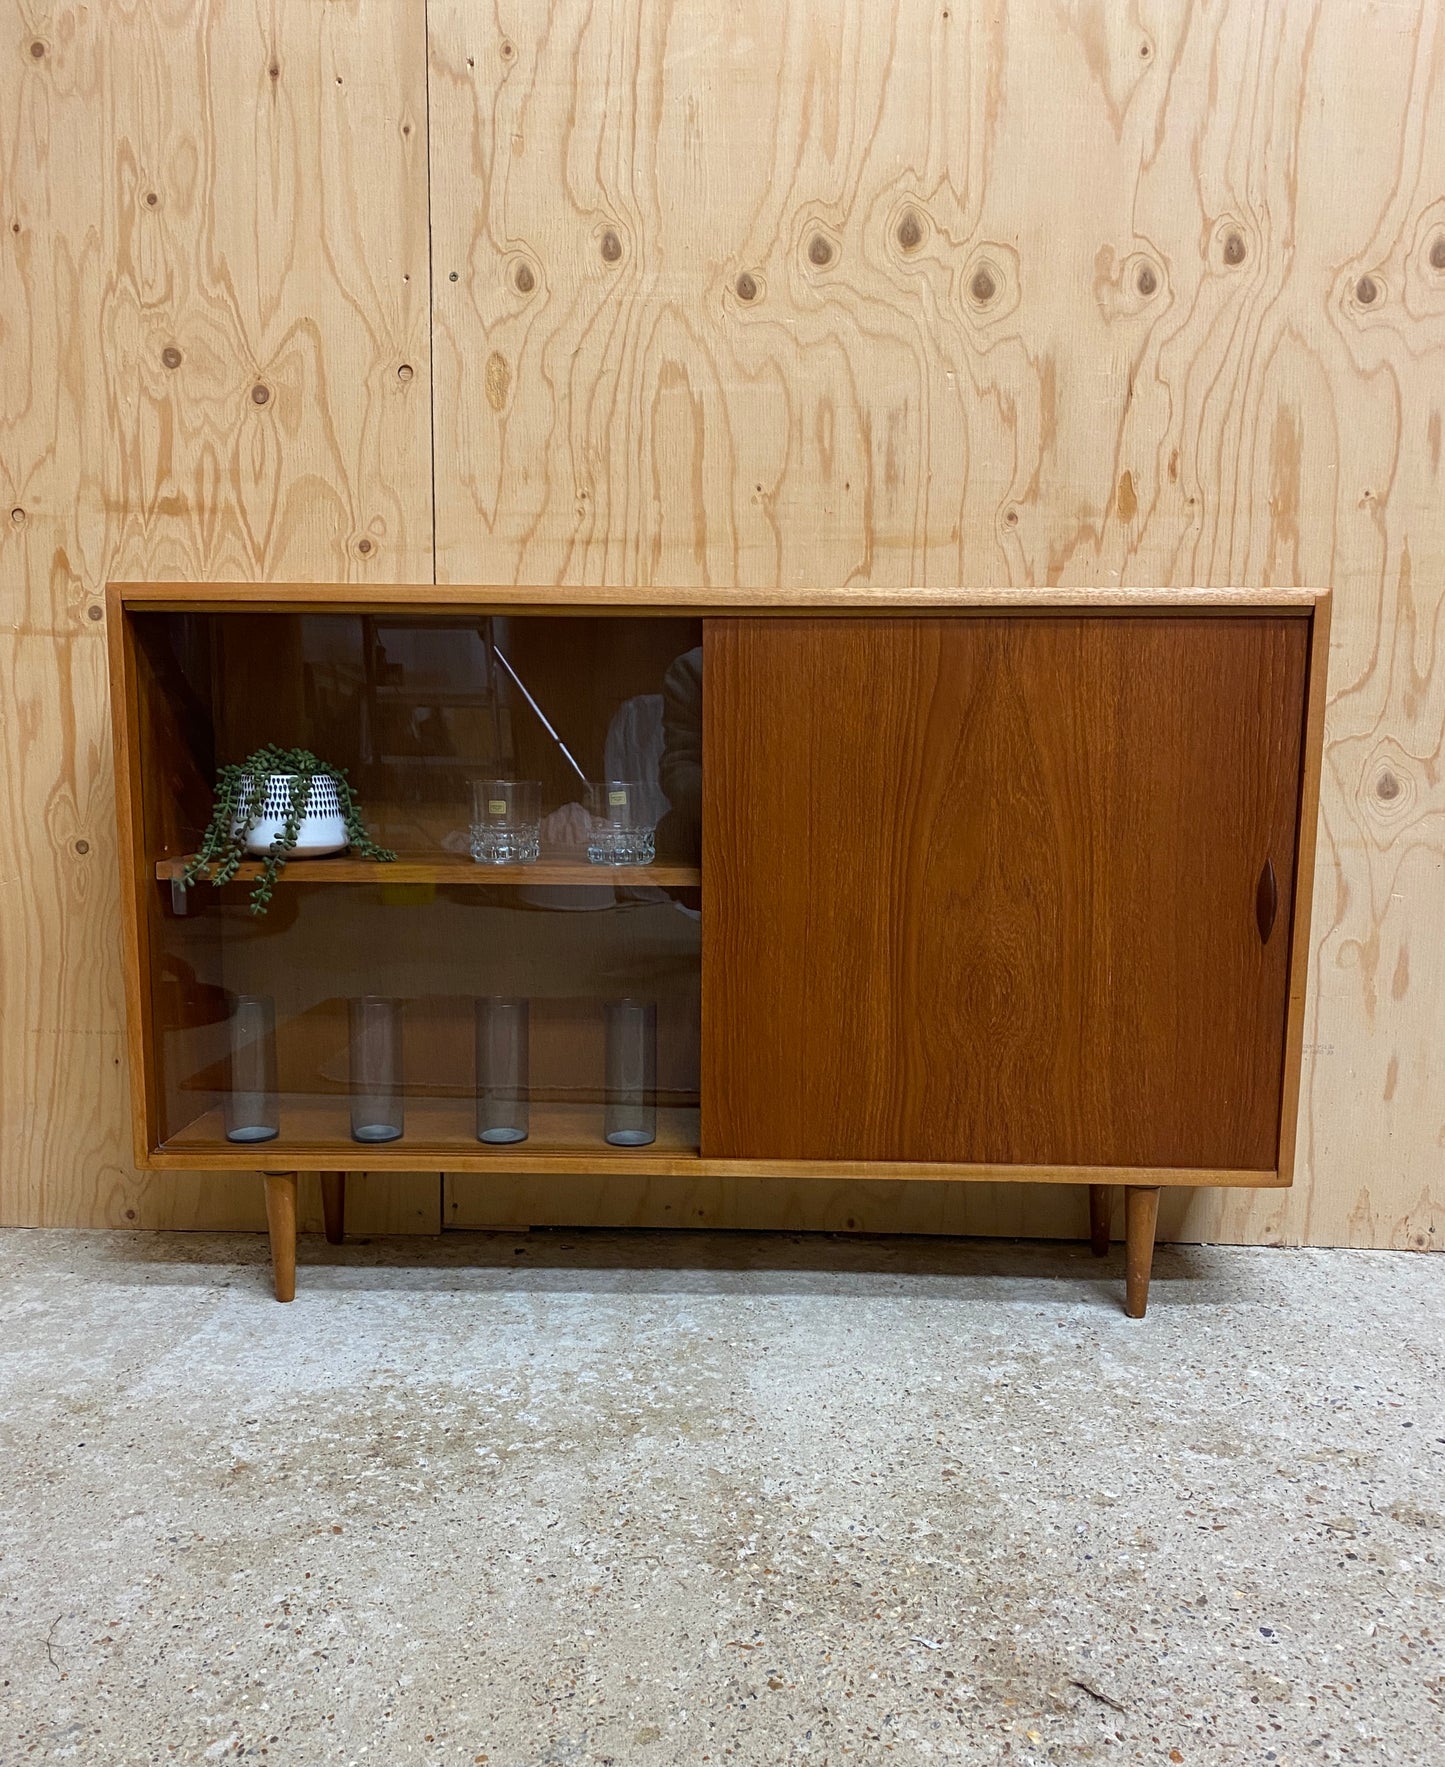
column 574, row 598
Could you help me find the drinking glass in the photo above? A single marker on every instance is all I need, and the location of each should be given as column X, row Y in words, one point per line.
column 503, row 1028
column 630, row 1099
column 506, row 821
column 377, row 1109
column 622, row 823
column 252, row 1109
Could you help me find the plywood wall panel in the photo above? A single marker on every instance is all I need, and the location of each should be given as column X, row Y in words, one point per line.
column 214, row 362
column 1034, row 294
column 894, row 291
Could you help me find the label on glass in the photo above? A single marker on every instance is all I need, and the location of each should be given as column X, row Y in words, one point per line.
column 616, row 798
column 496, row 806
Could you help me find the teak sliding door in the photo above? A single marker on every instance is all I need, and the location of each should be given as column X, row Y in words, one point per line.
column 999, row 890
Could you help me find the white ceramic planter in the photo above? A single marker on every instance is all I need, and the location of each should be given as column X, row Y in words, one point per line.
column 322, row 829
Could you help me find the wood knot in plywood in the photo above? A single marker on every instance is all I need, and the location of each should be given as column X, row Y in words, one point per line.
column 910, row 230
column 1389, row 791
column 498, row 380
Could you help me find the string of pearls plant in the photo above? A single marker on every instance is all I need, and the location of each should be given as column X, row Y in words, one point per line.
column 241, row 802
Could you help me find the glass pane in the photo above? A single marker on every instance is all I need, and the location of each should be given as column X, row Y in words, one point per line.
column 258, row 1037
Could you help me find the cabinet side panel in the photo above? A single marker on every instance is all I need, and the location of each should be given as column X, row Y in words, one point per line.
column 986, row 889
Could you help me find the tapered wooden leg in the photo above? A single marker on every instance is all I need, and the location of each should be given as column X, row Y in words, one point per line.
column 281, row 1225
column 1141, row 1215
column 333, row 1205
column 1100, row 1207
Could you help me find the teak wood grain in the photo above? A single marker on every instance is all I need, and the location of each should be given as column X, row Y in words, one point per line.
column 985, row 890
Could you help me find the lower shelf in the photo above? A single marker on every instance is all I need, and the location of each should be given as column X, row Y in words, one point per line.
column 566, row 1140
column 440, row 1134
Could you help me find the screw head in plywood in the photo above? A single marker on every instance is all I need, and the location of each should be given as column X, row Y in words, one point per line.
column 405, row 372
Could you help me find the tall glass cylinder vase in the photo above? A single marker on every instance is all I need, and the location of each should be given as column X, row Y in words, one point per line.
column 630, row 1100
column 503, row 1047
column 377, row 1109
column 252, row 1107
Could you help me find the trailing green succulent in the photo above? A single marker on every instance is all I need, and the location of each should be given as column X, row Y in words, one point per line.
column 240, row 795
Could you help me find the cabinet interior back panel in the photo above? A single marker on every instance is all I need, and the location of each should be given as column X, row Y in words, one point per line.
column 987, row 889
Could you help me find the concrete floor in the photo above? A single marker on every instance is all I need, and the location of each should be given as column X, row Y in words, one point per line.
column 663, row 1499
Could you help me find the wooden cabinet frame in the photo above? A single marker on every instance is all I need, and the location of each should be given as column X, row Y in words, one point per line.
column 139, row 872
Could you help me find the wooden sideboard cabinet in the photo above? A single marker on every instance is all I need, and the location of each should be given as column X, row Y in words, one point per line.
column 953, row 885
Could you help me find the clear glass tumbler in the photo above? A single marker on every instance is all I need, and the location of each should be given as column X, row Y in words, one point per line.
column 630, row 1100
column 252, row 1107
column 503, row 1034
column 506, row 821
column 622, row 823
column 377, row 1108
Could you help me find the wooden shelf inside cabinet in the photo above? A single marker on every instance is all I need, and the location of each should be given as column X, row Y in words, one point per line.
column 440, row 1134
column 450, row 869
